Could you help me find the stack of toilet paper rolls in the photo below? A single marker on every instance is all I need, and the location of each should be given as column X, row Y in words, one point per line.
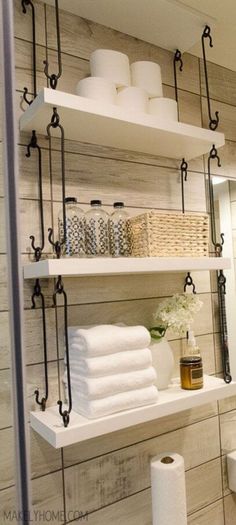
column 136, row 87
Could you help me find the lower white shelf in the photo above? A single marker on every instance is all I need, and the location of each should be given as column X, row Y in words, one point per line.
column 50, row 426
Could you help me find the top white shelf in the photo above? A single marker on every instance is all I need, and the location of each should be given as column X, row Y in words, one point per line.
column 73, row 267
column 92, row 122
column 165, row 23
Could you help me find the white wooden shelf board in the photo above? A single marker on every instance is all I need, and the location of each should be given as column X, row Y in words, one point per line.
column 165, row 23
column 72, row 267
column 50, row 426
column 92, row 122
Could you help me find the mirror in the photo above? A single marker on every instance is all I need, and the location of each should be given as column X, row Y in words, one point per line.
column 224, row 191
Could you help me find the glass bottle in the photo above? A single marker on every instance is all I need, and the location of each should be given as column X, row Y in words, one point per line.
column 96, row 230
column 192, row 347
column 119, row 235
column 75, row 229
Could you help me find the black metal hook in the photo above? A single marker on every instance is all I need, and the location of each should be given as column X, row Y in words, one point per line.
column 38, row 294
column 55, row 123
column 59, row 289
column 33, row 144
column 177, row 59
column 53, row 78
column 213, row 122
column 25, row 4
column 184, row 177
column 221, row 280
column 213, row 155
column 189, row 282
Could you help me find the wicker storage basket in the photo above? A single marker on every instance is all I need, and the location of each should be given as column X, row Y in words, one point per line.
column 156, row 234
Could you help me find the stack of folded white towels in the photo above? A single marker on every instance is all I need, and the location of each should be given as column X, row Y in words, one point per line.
column 111, row 369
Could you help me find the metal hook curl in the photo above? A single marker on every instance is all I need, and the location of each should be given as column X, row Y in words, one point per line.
column 184, row 177
column 189, row 282
column 25, row 4
column 177, row 59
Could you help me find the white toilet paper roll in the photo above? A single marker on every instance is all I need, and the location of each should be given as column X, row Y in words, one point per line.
column 98, row 89
column 147, row 75
column 112, row 65
column 168, row 490
column 164, row 108
column 231, row 467
column 133, row 98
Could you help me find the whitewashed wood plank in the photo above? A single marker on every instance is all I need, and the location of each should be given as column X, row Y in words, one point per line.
column 198, row 443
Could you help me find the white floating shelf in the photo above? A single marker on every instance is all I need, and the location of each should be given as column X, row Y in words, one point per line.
column 92, row 122
column 70, row 267
column 49, row 423
column 166, row 23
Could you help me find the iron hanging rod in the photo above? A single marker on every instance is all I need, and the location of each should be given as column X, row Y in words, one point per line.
column 184, row 178
column 59, row 289
column 213, row 122
column 221, row 279
column 213, row 155
column 53, row 78
column 177, row 59
column 38, row 294
column 33, row 144
column 55, row 123
column 25, row 4
column 189, row 282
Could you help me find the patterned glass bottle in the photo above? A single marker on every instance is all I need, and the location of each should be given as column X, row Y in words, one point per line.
column 119, row 231
column 75, row 229
column 96, row 231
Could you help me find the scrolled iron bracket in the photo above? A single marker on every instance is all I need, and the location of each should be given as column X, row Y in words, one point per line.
column 189, row 282
column 59, row 290
column 218, row 245
column 33, row 144
column 25, row 4
column 213, row 122
column 184, row 178
column 38, row 294
column 54, row 77
column 177, row 60
column 54, row 124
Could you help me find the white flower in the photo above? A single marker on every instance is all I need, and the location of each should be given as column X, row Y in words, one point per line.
column 177, row 312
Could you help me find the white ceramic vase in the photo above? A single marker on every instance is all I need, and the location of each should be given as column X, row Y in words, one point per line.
column 163, row 362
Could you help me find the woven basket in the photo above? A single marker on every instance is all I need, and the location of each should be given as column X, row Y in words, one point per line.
column 156, row 234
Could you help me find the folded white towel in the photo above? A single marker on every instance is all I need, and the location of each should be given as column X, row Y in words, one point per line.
column 97, row 387
column 117, row 403
column 110, row 364
column 108, row 339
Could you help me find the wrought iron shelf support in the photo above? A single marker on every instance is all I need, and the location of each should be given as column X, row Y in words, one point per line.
column 59, row 290
column 38, row 294
column 54, row 77
column 213, row 122
column 221, row 279
column 189, row 282
column 177, row 60
column 25, row 4
column 33, row 144
column 184, row 178
column 55, row 124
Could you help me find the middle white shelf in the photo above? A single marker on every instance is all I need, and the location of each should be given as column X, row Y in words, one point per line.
column 72, row 267
column 88, row 121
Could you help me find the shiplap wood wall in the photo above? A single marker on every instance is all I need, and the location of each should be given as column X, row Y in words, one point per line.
column 109, row 477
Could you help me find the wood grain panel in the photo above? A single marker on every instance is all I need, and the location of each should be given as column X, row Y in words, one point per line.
column 230, row 509
column 47, row 498
column 213, row 513
column 8, row 502
column 5, row 358
column 44, row 458
column 107, row 479
column 116, row 440
column 7, row 458
column 222, row 82
column 22, row 22
column 5, row 396
column 228, row 431
column 80, row 37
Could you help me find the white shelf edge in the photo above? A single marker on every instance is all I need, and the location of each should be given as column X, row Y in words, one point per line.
column 70, row 267
column 91, row 121
column 173, row 400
